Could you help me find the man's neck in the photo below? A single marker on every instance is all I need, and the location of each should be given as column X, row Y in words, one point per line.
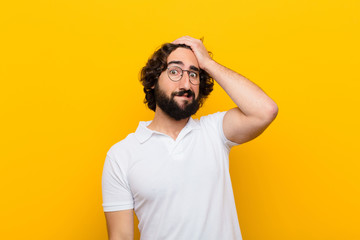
column 165, row 124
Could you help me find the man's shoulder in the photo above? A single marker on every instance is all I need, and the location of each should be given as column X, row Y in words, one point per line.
column 211, row 125
column 213, row 117
column 123, row 146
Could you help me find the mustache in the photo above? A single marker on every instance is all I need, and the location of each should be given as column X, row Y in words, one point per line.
column 188, row 93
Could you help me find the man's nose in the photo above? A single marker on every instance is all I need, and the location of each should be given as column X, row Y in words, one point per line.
column 185, row 80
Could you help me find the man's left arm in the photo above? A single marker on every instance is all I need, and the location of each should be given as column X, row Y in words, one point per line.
column 255, row 110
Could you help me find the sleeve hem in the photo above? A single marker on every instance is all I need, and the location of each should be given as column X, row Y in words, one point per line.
column 114, row 208
column 229, row 144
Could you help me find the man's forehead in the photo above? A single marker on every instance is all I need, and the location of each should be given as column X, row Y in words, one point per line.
column 183, row 56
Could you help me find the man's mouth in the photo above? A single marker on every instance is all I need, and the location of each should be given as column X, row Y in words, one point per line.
column 185, row 93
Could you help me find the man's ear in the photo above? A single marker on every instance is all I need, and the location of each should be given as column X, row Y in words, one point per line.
column 153, row 86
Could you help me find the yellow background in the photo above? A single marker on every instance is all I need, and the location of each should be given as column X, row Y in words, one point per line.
column 69, row 91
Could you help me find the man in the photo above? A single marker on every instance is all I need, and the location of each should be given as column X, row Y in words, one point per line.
column 174, row 171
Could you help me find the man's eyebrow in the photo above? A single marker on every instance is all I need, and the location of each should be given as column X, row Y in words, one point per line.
column 192, row 67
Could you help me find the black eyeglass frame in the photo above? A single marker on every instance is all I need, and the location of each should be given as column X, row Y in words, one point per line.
column 182, row 73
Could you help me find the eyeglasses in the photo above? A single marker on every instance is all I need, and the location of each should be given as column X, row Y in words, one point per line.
column 175, row 73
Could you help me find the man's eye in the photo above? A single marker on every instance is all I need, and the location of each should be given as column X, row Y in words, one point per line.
column 173, row 72
column 193, row 74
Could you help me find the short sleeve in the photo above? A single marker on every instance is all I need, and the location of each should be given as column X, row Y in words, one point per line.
column 115, row 188
column 215, row 122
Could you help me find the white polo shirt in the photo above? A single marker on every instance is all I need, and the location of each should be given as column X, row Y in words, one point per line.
column 180, row 189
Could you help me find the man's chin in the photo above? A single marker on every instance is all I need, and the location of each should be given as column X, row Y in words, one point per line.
column 183, row 105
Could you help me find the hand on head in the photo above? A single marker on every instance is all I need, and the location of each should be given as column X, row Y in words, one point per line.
column 197, row 47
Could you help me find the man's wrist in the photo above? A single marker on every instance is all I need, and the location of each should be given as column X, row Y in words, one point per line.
column 209, row 65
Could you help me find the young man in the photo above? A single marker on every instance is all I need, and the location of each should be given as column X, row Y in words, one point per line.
column 174, row 171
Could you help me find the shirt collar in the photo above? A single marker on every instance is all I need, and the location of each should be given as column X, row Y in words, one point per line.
column 143, row 133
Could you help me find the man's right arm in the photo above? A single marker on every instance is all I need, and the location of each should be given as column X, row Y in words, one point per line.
column 120, row 224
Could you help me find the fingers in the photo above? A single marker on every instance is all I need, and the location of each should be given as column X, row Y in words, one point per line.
column 196, row 44
column 197, row 47
column 187, row 40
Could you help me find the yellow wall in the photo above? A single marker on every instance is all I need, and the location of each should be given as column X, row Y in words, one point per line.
column 69, row 90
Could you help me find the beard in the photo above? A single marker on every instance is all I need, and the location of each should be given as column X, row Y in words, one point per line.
column 172, row 108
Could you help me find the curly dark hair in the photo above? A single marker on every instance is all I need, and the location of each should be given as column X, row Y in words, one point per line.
column 157, row 64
